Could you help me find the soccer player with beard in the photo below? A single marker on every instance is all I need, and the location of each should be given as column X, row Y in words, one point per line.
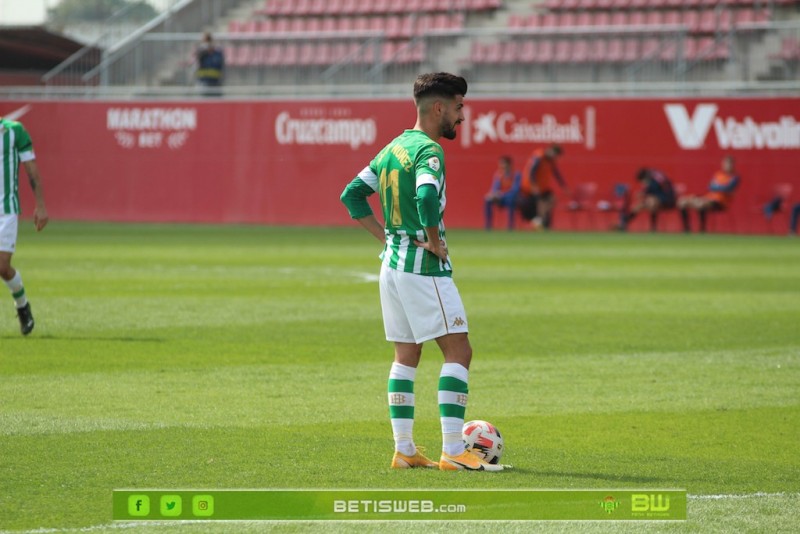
column 419, row 300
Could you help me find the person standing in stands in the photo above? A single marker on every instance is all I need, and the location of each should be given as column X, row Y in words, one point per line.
column 718, row 198
column 210, row 66
column 504, row 191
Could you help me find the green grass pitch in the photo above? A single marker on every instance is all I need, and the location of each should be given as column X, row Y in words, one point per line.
column 251, row 357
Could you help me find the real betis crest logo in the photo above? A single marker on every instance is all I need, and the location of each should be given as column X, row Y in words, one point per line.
column 609, row 504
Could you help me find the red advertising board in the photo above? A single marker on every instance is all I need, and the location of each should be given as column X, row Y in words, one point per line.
column 286, row 162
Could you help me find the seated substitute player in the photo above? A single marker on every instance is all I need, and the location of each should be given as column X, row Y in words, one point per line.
column 719, row 196
column 504, row 191
column 541, row 171
column 17, row 148
column 655, row 195
column 419, row 300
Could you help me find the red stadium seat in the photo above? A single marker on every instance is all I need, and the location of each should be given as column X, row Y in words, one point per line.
column 328, row 25
column 669, row 51
column 318, row 7
column 615, row 51
column 346, row 24
column 314, row 25
column 654, row 18
column 584, row 19
column 306, row 54
column 598, row 50
column 493, row 52
column 377, row 24
column 604, row 4
column 322, row 55
column 273, row 54
column 691, row 19
column 638, row 4
column 476, row 54
column 301, row 7
column 545, row 52
column 508, row 53
column 708, row 21
column 349, row 7
column 393, row 27
column 297, row 25
column 638, row 18
column 602, row 19
column 281, row 25
column 527, row 52
column 381, row 7
column 361, row 24
column 672, row 18
column 580, row 51
column 619, row 18
column 621, row 4
column 725, row 20
column 650, row 49
column 333, row 7
column 517, row 21
column 266, row 26
column 566, row 19
column 549, row 20
column 534, row 21
column 290, row 53
column 273, row 7
column 563, row 53
column 630, row 50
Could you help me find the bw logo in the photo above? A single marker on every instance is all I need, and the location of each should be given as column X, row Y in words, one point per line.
column 459, row 322
column 397, row 398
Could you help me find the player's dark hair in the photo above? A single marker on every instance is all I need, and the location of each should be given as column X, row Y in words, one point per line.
column 556, row 148
column 441, row 84
column 507, row 160
column 642, row 174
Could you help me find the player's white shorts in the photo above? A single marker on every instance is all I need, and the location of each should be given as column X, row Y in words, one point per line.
column 418, row 308
column 8, row 233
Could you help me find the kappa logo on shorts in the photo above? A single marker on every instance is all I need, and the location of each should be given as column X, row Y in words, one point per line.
column 459, row 322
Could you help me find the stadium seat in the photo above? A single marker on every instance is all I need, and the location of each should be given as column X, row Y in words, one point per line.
column 289, row 57
column 602, row 19
column 580, row 51
column 618, row 18
column 314, row 25
column 650, row 49
column 563, row 51
column 306, row 54
column 584, row 19
column 630, row 50
column 328, row 25
column 333, row 7
column 615, row 51
column 544, row 51
column 297, row 25
column 516, row 21
column 582, row 201
column 654, row 18
column 566, row 19
column 604, row 5
column 492, row 52
column 349, row 7
column 549, row 20
column 637, row 18
column 527, row 51
column 281, row 25
column 725, row 21
column 672, row 18
column 300, row 7
column 708, row 21
column 598, row 50
column 691, row 19
column 508, row 54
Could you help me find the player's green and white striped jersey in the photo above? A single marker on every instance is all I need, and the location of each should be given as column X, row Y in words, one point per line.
column 408, row 162
column 16, row 148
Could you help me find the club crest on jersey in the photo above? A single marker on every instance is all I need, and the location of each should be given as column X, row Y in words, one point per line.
column 433, row 163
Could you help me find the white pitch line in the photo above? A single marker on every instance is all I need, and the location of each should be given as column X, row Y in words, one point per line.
column 725, row 496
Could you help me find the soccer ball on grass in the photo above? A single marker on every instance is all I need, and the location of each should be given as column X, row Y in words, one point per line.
column 483, row 439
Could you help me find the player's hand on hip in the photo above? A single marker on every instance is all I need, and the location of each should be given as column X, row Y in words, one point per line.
column 40, row 218
column 440, row 251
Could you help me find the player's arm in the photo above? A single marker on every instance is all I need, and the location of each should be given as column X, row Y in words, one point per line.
column 354, row 197
column 40, row 216
column 428, row 209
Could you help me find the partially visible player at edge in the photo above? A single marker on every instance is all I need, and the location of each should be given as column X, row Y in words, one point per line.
column 419, row 300
column 17, row 148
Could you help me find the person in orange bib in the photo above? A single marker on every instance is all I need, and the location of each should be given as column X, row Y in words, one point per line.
column 718, row 198
column 538, row 195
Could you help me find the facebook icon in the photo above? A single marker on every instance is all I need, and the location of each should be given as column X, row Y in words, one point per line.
column 138, row 505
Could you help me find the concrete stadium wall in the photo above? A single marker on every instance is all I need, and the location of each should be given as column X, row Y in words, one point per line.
column 287, row 162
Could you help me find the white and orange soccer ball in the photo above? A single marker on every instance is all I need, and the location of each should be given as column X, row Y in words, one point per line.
column 483, row 439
